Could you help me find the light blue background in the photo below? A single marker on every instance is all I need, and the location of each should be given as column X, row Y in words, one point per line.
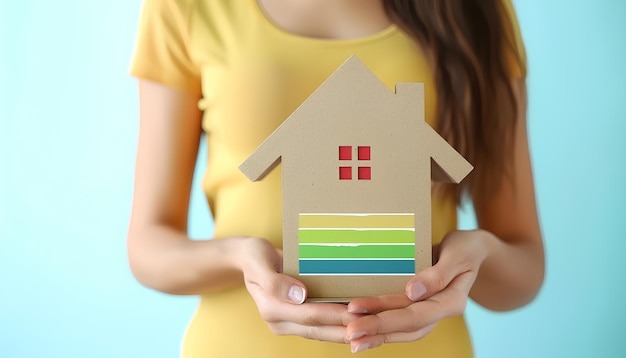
column 68, row 128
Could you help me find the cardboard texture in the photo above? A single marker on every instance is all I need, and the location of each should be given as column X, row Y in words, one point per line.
column 357, row 162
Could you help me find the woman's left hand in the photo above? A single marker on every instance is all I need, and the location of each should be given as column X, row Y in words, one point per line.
column 435, row 293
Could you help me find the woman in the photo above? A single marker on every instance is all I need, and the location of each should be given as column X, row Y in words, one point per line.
column 237, row 69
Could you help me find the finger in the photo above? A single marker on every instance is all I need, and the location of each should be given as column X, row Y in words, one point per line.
column 369, row 342
column 308, row 314
column 373, row 305
column 334, row 334
column 448, row 303
column 431, row 280
column 399, row 320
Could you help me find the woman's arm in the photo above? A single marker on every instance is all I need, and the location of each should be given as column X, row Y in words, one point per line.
column 513, row 270
column 161, row 255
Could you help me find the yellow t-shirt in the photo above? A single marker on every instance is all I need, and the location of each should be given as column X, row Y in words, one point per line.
column 252, row 75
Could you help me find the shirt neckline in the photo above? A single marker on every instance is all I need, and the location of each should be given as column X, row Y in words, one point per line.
column 268, row 22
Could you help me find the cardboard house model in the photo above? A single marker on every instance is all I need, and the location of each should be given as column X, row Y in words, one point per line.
column 357, row 161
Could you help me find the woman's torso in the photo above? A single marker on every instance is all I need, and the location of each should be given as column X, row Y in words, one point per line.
column 254, row 74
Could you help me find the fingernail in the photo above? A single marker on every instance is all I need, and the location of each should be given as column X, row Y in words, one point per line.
column 360, row 347
column 357, row 310
column 416, row 291
column 296, row 294
column 356, row 335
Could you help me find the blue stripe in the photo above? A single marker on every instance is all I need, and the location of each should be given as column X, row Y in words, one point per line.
column 347, row 267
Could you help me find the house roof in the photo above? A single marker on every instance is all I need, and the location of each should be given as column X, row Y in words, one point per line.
column 352, row 86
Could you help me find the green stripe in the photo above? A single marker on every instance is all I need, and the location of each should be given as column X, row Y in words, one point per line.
column 357, row 252
column 356, row 236
column 356, row 221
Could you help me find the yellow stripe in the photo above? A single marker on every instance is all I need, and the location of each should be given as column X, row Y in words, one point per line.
column 364, row 221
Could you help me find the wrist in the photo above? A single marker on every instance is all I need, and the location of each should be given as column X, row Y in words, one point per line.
column 251, row 252
column 486, row 244
column 232, row 252
column 218, row 261
column 477, row 245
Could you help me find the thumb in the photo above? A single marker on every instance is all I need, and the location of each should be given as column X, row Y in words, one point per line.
column 285, row 288
column 455, row 258
column 261, row 269
column 263, row 280
column 431, row 280
column 296, row 294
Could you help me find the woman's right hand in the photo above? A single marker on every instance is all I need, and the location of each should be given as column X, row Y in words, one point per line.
column 280, row 298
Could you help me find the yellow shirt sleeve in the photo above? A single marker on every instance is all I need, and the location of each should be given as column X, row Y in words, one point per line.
column 162, row 46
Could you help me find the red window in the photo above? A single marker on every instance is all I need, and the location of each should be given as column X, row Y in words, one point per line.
column 345, row 173
column 365, row 173
column 345, row 152
column 363, row 153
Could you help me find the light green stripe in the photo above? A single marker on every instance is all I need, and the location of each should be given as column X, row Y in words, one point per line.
column 356, row 236
column 356, row 221
column 358, row 252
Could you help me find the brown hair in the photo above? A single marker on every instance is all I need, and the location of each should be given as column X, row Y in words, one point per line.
column 470, row 46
